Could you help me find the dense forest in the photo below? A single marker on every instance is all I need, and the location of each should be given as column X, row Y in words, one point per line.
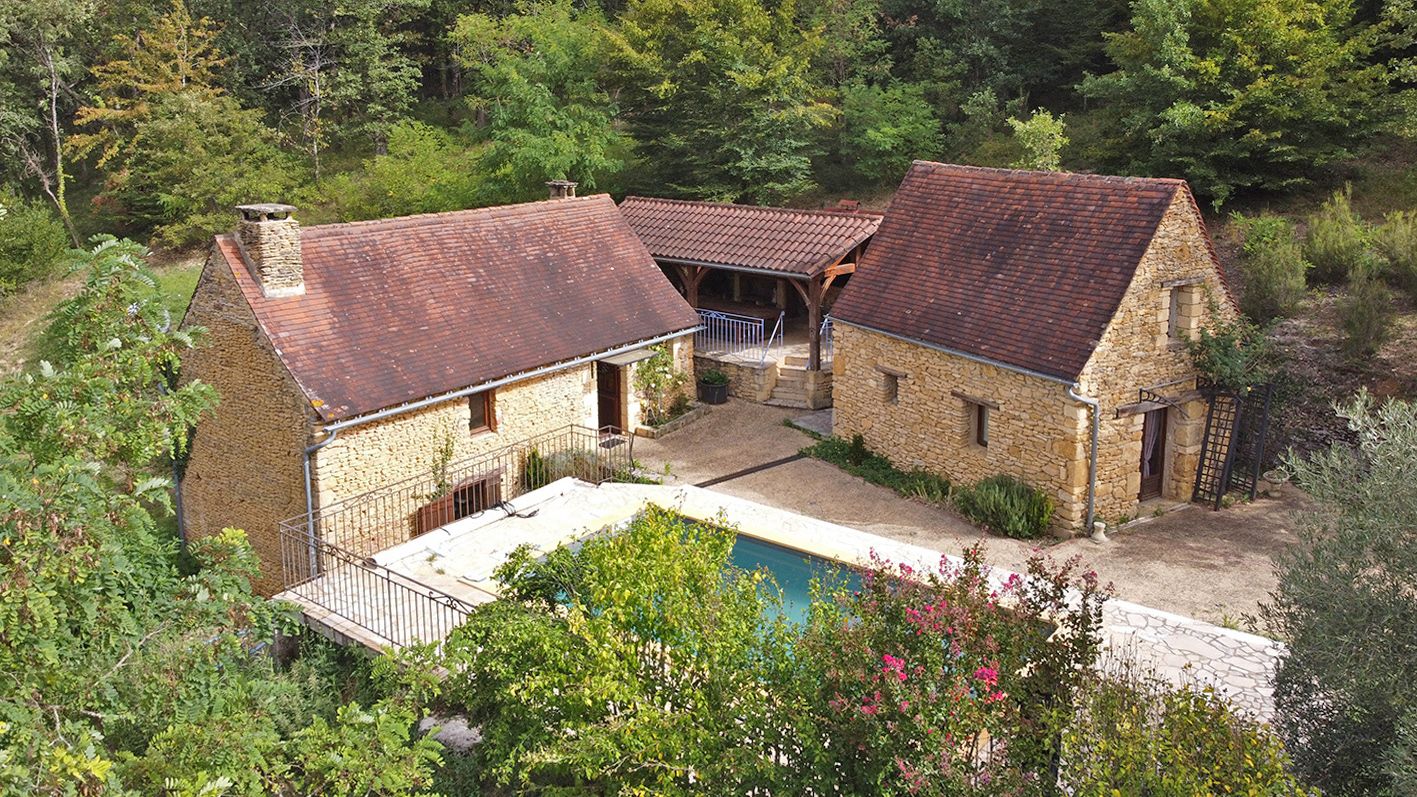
column 152, row 120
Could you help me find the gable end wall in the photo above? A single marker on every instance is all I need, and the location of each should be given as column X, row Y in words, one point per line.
column 245, row 469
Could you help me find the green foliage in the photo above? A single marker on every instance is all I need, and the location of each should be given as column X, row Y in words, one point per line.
column 32, row 242
column 854, row 458
column 1366, row 314
column 125, row 675
column 1336, row 240
column 1235, row 354
column 536, row 471
column 713, row 376
column 1272, row 267
column 660, row 385
column 1237, row 94
column 1041, row 137
column 538, row 84
column 883, row 129
column 425, row 170
column 644, row 662
column 1007, row 506
column 1136, row 735
column 375, row 79
column 1345, row 607
column 718, row 97
column 363, row 751
column 1396, row 241
column 194, row 159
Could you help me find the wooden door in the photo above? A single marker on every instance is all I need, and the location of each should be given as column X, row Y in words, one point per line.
column 612, row 407
column 1153, row 453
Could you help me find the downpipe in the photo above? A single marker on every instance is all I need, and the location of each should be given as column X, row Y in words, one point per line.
column 310, row 499
column 1092, row 454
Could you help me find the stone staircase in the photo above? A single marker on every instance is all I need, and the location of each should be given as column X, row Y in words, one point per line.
column 790, row 389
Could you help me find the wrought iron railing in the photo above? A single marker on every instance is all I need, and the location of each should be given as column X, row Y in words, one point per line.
column 726, row 333
column 775, row 339
column 397, row 512
column 391, row 609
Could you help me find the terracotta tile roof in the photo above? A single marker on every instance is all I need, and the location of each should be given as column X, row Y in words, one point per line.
column 772, row 239
column 1023, row 268
column 396, row 310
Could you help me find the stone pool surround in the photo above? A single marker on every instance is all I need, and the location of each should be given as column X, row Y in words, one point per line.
column 459, row 560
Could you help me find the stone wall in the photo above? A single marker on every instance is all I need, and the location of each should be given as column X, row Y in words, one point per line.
column 272, row 247
column 245, row 469
column 1036, row 433
column 748, row 382
column 1138, row 351
column 374, row 455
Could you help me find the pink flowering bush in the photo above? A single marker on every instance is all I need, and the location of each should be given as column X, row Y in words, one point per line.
column 943, row 681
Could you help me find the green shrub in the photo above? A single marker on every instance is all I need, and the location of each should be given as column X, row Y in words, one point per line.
column 1272, row 268
column 1366, row 314
column 424, row 170
column 536, row 471
column 1007, row 506
column 1336, row 240
column 858, row 460
column 1396, row 241
column 883, row 128
column 1140, row 736
column 713, row 376
column 32, row 242
column 1236, row 354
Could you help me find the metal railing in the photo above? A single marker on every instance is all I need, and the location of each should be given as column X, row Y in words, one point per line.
column 395, row 513
column 726, row 333
column 391, row 608
column 825, row 338
column 775, row 339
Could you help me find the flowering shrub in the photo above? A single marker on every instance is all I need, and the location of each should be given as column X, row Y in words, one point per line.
column 940, row 681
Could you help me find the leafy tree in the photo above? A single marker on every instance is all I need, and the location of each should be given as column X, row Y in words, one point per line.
column 1346, row 608
column 537, row 82
column 882, row 129
column 375, row 80
column 1235, row 354
column 718, row 97
column 176, row 56
column 193, row 160
column 1237, row 94
column 853, row 43
column 1272, row 267
column 1041, row 137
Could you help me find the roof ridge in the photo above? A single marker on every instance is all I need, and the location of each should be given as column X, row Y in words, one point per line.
column 1084, row 176
column 417, row 219
column 833, row 212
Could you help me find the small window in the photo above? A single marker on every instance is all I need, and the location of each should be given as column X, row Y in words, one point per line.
column 979, row 423
column 482, row 411
column 890, row 388
column 1173, row 319
column 1178, row 323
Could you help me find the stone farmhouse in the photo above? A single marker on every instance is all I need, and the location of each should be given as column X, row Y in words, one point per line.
column 352, row 356
column 1033, row 324
column 763, row 280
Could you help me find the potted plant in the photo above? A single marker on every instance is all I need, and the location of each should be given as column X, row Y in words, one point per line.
column 713, row 386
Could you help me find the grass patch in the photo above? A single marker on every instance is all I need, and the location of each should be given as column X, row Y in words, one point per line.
column 177, row 283
column 854, row 458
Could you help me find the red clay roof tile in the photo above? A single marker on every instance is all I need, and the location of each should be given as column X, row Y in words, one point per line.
column 397, row 310
column 773, row 239
column 1023, row 268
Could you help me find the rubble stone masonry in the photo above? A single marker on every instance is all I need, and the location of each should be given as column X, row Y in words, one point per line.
column 245, row 466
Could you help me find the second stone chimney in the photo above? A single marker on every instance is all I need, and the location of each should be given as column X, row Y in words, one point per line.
column 561, row 189
column 269, row 239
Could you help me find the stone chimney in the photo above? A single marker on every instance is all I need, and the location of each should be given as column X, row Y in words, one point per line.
column 269, row 239
column 561, row 189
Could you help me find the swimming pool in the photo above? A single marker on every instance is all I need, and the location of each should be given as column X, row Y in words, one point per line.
column 793, row 570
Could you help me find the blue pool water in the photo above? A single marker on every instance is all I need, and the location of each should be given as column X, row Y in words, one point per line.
column 793, row 571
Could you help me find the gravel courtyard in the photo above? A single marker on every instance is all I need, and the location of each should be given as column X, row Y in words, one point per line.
column 1214, row 566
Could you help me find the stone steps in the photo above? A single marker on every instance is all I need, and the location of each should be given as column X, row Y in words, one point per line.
column 791, row 387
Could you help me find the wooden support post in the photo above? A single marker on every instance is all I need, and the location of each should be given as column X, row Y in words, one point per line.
column 812, row 294
column 692, row 277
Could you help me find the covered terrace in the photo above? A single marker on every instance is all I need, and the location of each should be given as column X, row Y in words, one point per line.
column 762, row 278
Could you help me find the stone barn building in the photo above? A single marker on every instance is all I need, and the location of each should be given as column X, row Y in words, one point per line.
column 352, row 356
column 999, row 315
